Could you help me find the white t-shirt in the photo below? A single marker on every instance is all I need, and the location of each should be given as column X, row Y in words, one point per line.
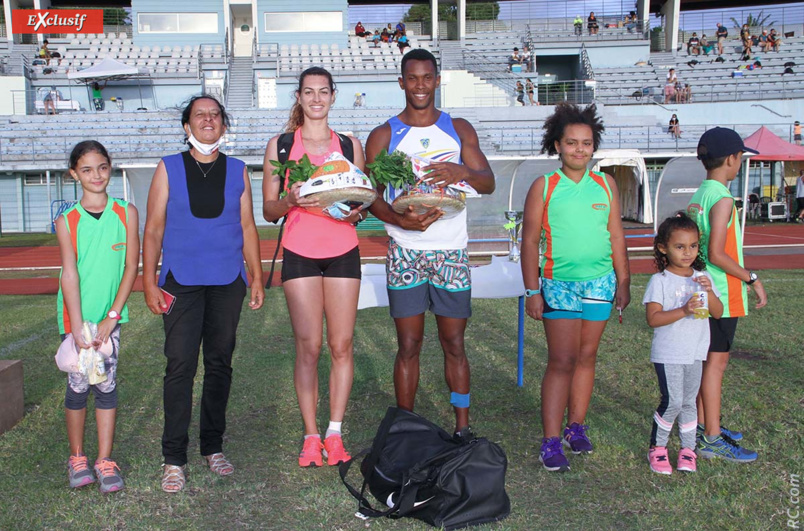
column 686, row 340
column 800, row 187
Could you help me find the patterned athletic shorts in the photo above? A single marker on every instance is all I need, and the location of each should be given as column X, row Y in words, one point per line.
column 436, row 280
column 588, row 299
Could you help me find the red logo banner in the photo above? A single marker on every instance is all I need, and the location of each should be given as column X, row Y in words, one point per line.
column 57, row 20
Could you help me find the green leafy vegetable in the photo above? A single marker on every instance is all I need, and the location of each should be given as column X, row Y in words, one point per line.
column 297, row 172
column 394, row 169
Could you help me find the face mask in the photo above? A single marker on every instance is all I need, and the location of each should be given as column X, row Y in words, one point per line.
column 204, row 149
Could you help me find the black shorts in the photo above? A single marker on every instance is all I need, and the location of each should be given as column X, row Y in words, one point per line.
column 295, row 265
column 721, row 333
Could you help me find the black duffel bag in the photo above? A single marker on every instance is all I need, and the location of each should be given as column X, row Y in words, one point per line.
column 419, row 470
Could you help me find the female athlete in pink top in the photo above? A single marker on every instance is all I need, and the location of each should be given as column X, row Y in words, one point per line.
column 320, row 269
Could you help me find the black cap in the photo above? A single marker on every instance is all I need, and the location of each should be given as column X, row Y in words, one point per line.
column 721, row 142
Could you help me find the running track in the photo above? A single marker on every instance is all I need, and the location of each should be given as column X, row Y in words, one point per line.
column 782, row 234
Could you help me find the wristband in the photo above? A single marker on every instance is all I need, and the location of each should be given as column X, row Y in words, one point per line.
column 532, row 292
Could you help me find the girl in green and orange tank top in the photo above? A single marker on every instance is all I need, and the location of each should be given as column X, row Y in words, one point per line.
column 573, row 214
column 100, row 249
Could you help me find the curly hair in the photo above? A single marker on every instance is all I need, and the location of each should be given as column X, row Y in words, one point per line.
column 680, row 221
column 569, row 114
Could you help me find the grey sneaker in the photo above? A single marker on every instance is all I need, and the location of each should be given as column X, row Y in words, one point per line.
column 108, row 476
column 78, row 472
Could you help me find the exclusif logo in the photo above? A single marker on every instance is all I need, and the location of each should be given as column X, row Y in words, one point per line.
column 119, row 246
column 600, row 206
column 57, row 20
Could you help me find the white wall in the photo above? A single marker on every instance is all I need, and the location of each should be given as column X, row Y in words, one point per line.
column 7, row 84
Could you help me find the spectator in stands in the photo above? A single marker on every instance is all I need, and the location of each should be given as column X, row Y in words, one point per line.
column 764, row 42
column 401, row 29
column 321, row 267
column 578, row 24
column 591, row 24
column 50, row 99
column 402, row 42
column 774, row 40
column 200, row 219
column 360, row 31
column 527, row 59
column 520, row 92
column 385, row 36
column 797, row 132
column 674, row 128
column 514, row 59
column 706, row 46
column 529, row 88
column 722, row 34
column 376, row 38
column 97, row 96
column 748, row 42
column 745, row 33
column 47, row 55
column 687, row 93
column 630, row 23
column 391, row 32
column 670, row 86
column 680, row 92
column 694, row 45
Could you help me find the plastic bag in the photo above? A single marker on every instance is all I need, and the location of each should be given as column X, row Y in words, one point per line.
column 90, row 361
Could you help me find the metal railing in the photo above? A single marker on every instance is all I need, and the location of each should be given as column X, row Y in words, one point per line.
column 586, row 65
column 655, row 138
column 741, row 90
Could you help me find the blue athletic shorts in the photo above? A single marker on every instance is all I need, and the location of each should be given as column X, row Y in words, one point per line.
column 590, row 300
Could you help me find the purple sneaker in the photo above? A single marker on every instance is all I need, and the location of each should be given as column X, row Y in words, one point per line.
column 552, row 455
column 576, row 440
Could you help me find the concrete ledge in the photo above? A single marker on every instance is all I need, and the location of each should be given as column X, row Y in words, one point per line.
column 12, row 402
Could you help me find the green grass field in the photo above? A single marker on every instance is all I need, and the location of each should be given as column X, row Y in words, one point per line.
column 611, row 488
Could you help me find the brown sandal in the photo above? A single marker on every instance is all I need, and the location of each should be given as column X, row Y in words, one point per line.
column 219, row 464
column 173, row 478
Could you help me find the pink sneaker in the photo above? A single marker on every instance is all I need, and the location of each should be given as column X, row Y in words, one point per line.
column 687, row 460
column 659, row 463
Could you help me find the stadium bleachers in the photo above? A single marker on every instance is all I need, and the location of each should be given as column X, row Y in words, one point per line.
column 82, row 51
column 710, row 81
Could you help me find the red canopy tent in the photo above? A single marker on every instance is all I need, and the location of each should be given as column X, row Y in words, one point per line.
column 772, row 149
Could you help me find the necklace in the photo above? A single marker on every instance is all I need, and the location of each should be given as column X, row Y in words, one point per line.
column 205, row 173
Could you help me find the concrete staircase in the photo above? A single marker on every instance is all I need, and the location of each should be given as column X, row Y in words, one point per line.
column 241, row 83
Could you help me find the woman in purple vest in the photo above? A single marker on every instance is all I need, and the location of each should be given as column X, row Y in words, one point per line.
column 200, row 219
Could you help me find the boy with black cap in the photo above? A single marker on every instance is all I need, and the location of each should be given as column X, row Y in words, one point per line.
column 721, row 150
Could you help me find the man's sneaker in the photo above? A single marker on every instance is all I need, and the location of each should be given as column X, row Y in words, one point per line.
column 334, row 450
column 724, row 431
column 109, row 478
column 464, row 435
column 78, row 471
column 311, row 452
column 576, row 440
column 724, row 449
column 658, row 460
column 552, row 455
column 687, row 460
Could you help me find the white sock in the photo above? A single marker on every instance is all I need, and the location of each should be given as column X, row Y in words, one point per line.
column 313, row 435
column 334, row 428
